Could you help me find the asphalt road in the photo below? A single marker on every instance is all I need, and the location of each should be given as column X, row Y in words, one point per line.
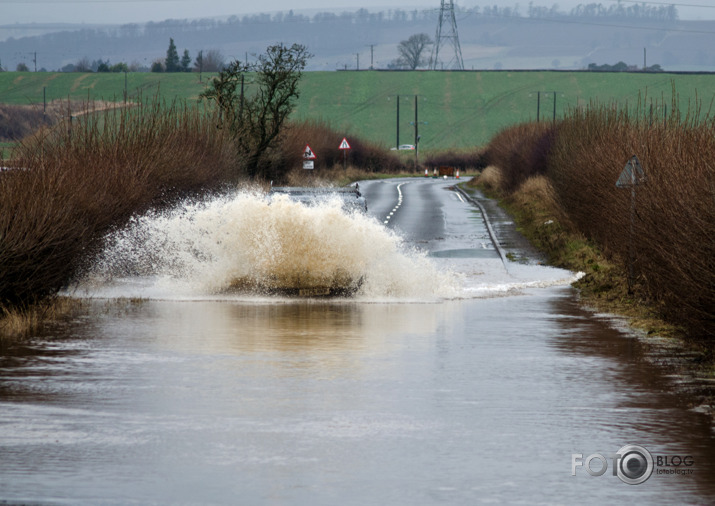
column 415, row 207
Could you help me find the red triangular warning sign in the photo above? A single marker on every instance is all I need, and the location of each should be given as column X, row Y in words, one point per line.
column 308, row 153
column 344, row 144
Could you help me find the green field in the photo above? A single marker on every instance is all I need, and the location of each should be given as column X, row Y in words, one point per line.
column 456, row 109
column 27, row 87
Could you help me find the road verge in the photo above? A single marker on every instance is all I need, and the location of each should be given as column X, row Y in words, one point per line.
column 537, row 217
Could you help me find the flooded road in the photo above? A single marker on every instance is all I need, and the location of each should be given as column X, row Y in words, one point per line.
column 478, row 394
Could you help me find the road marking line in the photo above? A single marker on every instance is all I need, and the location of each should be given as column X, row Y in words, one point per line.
column 399, row 203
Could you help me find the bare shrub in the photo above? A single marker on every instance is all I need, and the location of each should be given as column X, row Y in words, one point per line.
column 521, row 151
column 672, row 240
column 17, row 121
column 674, row 225
column 82, row 178
column 463, row 160
column 490, row 178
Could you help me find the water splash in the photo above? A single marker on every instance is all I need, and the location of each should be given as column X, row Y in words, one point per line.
column 246, row 243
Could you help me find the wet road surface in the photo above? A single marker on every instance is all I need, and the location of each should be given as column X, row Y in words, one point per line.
column 479, row 398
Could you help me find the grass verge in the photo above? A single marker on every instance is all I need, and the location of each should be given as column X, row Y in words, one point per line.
column 17, row 323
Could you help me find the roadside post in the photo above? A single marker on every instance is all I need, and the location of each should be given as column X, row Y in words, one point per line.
column 631, row 176
column 308, row 158
column 344, row 147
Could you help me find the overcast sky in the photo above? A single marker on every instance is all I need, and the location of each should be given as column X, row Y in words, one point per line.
column 129, row 11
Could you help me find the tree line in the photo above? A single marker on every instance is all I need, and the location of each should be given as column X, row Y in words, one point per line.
column 343, row 31
column 623, row 67
column 211, row 60
column 363, row 16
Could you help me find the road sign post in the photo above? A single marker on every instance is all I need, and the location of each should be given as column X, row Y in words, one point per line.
column 631, row 176
column 308, row 158
column 344, row 147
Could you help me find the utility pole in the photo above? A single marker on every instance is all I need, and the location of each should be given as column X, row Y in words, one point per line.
column 372, row 54
column 416, row 122
column 200, row 61
column 240, row 104
column 417, row 137
column 447, row 34
column 417, row 131
column 358, row 60
column 538, row 105
column 397, row 142
column 34, row 60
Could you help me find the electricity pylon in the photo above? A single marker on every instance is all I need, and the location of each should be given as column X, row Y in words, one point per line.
column 446, row 34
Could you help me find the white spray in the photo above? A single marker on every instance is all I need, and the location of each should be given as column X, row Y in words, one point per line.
column 246, row 242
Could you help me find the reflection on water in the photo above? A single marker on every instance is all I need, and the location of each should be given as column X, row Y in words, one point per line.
column 647, row 406
column 219, row 402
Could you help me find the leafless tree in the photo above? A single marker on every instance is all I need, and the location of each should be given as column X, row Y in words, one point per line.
column 83, row 65
column 209, row 61
column 256, row 119
column 411, row 50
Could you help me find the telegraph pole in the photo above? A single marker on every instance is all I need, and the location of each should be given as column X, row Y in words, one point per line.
column 417, row 137
column 538, row 105
column 200, row 60
column 397, row 142
column 240, row 104
column 417, row 131
column 372, row 54
column 554, row 120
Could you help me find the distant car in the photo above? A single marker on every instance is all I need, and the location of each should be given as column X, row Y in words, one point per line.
column 404, row 147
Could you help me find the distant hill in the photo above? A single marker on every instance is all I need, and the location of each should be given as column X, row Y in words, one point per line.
column 491, row 38
column 455, row 109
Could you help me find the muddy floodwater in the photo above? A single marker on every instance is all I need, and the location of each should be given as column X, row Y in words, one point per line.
column 484, row 386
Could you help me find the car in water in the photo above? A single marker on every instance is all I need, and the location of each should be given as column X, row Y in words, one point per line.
column 307, row 283
column 351, row 196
